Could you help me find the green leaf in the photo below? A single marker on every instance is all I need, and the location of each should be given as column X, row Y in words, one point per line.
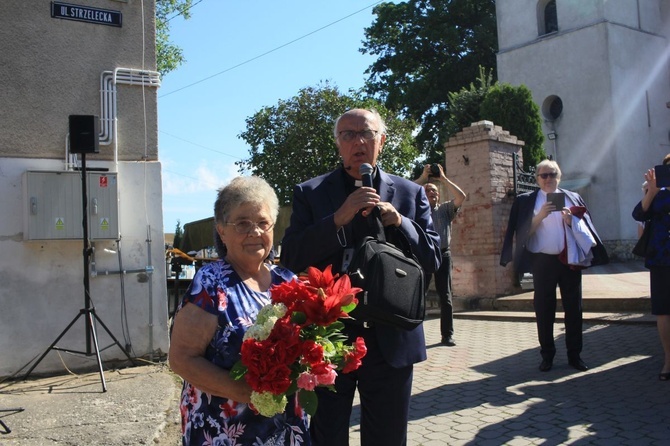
column 308, row 401
column 349, row 308
column 298, row 317
column 238, row 370
column 292, row 388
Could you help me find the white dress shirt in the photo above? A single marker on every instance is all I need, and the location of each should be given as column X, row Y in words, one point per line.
column 549, row 237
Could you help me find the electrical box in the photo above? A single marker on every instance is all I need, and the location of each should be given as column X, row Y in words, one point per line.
column 53, row 205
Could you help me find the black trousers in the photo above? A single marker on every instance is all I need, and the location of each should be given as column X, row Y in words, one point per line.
column 443, row 288
column 549, row 272
column 384, row 393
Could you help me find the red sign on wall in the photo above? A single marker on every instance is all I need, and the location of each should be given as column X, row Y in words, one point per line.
column 103, row 181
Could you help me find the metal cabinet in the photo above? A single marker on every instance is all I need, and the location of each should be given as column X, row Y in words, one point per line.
column 53, row 205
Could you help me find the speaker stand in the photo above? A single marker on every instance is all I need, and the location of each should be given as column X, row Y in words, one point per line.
column 88, row 311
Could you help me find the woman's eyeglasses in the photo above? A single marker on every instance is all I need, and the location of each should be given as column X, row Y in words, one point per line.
column 246, row 226
column 544, row 176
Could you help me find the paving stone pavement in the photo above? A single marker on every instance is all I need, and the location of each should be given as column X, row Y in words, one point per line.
column 487, row 390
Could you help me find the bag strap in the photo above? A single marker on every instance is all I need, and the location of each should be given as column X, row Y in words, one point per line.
column 379, row 226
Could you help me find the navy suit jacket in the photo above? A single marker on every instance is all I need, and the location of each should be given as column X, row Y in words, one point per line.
column 520, row 218
column 312, row 240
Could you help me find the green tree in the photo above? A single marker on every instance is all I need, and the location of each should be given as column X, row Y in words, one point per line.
column 178, row 234
column 169, row 56
column 426, row 49
column 293, row 141
column 513, row 109
column 465, row 104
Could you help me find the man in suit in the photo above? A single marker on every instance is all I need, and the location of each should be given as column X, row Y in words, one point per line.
column 540, row 238
column 331, row 214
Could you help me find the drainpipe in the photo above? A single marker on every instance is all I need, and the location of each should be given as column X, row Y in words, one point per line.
column 108, row 107
column 151, row 298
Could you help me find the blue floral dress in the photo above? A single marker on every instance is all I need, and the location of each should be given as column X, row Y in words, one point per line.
column 212, row 420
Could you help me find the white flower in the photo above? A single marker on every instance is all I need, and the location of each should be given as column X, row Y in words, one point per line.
column 268, row 404
column 265, row 321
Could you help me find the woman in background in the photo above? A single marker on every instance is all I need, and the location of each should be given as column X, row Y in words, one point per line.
column 654, row 210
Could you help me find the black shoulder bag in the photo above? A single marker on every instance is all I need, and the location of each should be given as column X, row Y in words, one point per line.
column 641, row 248
column 392, row 280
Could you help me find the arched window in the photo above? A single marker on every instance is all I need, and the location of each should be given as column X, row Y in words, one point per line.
column 547, row 18
column 550, row 17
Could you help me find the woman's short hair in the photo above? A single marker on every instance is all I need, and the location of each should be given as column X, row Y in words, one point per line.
column 240, row 190
column 666, row 159
column 550, row 164
column 254, row 190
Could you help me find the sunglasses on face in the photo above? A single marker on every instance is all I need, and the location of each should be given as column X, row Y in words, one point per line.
column 544, row 176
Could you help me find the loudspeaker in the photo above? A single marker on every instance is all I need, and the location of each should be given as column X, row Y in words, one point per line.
column 84, row 134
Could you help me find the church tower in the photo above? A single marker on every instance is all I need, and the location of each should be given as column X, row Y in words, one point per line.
column 600, row 72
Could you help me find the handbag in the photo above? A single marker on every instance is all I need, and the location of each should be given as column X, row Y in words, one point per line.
column 392, row 280
column 641, row 248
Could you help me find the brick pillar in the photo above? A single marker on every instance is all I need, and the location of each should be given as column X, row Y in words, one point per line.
column 480, row 160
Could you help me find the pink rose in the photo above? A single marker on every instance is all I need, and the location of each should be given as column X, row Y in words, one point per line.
column 325, row 373
column 307, row 381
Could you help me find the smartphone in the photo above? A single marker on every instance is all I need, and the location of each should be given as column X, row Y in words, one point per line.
column 557, row 199
column 662, row 175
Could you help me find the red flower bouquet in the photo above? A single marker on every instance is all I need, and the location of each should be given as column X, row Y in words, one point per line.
column 297, row 342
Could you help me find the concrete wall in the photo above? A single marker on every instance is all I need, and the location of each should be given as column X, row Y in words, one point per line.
column 608, row 63
column 51, row 68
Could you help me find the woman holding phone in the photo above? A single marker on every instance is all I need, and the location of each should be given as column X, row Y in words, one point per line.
column 654, row 210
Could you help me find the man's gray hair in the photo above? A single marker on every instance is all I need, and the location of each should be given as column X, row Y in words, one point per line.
column 551, row 164
column 380, row 121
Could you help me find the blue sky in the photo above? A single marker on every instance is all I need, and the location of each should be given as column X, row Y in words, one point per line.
column 240, row 57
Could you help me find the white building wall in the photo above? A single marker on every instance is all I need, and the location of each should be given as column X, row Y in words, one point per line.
column 50, row 69
column 608, row 63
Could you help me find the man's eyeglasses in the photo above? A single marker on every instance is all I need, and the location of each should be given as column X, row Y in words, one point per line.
column 350, row 135
column 544, row 176
column 246, row 226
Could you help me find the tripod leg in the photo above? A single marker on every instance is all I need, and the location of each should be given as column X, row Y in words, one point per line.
column 52, row 345
column 113, row 338
column 91, row 314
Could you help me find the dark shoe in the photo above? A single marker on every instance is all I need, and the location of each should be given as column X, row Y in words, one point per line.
column 577, row 363
column 449, row 342
column 664, row 376
column 546, row 365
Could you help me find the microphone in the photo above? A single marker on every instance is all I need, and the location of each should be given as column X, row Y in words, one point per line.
column 366, row 174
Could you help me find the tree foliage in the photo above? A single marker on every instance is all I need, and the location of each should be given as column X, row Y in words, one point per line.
column 293, row 141
column 169, row 56
column 426, row 49
column 510, row 107
column 178, row 235
column 513, row 109
column 465, row 104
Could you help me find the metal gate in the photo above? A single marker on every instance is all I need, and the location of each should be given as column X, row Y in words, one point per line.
column 523, row 181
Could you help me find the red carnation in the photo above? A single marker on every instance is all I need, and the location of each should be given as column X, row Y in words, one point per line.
column 289, row 293
column 352, row 360
column 312, row 352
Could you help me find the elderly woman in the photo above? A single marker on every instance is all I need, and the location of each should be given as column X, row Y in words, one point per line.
column 219, row 306
column 654, row 210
